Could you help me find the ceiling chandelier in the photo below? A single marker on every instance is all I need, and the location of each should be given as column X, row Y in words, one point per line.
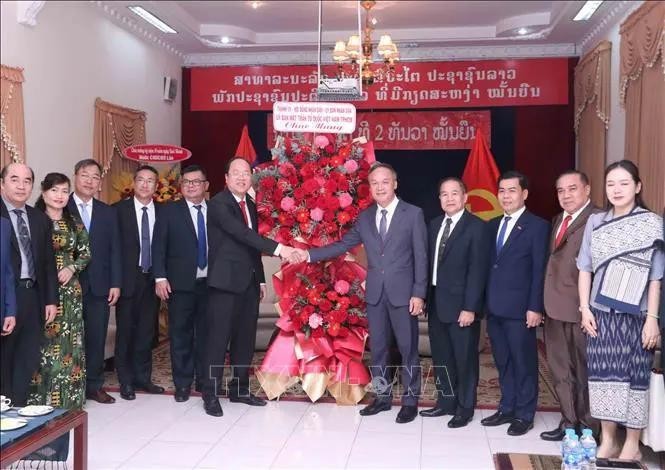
column 359, row 54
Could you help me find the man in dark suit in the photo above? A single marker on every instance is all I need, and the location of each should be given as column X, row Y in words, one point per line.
column 180, row 266
column 8, row 284
column 136, row 313
column 236, row 283
column 458, row 267
column 395, row 239
column 33, row 263
column 514, row 303
column 565, row 341
column 101, row 279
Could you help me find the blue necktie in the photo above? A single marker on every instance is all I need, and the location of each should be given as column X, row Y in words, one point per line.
column 202, row 245
column 145, row 242
column 85, row 217
column 502, row 234
column 26, row 243
column 383, row 224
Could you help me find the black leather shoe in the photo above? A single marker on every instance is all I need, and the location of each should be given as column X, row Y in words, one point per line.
column 406, row 414
column 212, row 407
column 553, row 435
column 375, row 407
column 497, row 419
column 100, row 396
column 459, row 421
column 519, row 427
column 249, row 399
column 435, row 412
column 150, row 388
column 181, row 394
column 127, row 392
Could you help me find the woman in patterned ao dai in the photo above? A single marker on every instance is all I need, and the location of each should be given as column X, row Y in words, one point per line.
column 60, row 380
column 622, row 251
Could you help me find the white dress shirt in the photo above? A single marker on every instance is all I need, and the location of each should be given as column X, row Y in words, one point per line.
column 88, row 205
column 249, row 217
column 194, row 213
column 574, row 216
column 138, row 207
column 511, row 223
column 454, row 219
column 389, row 215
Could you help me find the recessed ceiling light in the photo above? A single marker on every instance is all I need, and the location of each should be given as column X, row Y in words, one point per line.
column 522, row 31
column 225, row 39
column 152, row 19
column 255, row 5
column 587, row 10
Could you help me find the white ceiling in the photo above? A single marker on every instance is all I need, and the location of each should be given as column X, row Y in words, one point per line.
column 286, row 31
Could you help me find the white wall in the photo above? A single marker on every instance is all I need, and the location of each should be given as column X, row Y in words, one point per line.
column 73, row 55
column 616, row 133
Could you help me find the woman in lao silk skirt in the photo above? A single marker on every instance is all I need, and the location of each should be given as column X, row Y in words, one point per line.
column 621, row 264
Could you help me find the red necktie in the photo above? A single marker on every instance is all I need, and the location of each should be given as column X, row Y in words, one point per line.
column 243, row 205
column 562, row 230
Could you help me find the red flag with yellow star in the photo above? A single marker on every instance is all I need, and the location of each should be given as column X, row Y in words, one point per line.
column 480, row 177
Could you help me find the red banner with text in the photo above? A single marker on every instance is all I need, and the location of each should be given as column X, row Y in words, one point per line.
column 463, row 84
column 426, row 130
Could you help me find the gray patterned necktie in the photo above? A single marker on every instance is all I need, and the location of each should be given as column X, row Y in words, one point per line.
column 24, row 240
column 383, row 224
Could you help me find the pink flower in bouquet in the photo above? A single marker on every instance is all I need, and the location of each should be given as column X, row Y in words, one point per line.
column 351, row 166
column 321, row 141
column 315, row 321
column 288, row 204
column 316, row 214
column 345, row 200
column 342, row 287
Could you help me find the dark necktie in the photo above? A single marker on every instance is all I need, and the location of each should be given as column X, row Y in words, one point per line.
column 562, row 230
column 243, row 205
column 145, row 241
column 24, row 240
column 444, row 238
column 383, row 224
column 202, row 245
column 502, row 234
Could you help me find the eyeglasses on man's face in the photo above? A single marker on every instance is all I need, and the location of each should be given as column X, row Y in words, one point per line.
column 188, row 182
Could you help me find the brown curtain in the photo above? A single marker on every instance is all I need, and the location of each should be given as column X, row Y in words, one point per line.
column 643, row 95
column 592, row 115
column 116, row 128
column 12, row 123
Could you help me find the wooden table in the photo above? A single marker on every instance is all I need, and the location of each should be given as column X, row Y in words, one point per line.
column 75, row 419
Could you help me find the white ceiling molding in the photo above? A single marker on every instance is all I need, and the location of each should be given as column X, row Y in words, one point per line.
column 619, row 11
column 136, row 28
column 26, row 12
column 407, row 54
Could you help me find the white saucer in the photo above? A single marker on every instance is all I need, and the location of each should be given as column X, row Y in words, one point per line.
column 35, row 410
column 9, row 424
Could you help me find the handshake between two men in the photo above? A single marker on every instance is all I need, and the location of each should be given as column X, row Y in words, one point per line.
column 293, row 255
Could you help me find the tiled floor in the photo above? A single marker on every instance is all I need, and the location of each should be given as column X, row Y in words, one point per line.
column 155, row 432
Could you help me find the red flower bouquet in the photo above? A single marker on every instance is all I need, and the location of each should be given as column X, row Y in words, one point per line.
column 309, row 195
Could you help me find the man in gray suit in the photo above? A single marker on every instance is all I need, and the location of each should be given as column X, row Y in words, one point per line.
column 395, row 239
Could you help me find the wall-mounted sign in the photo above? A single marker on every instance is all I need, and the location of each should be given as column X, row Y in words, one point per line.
column 335, row 118
column 454, row 84
column 156, row 153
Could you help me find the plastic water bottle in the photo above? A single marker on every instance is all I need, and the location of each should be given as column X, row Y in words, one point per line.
column 589, row 446
column 565, row 451
column 574, row 454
